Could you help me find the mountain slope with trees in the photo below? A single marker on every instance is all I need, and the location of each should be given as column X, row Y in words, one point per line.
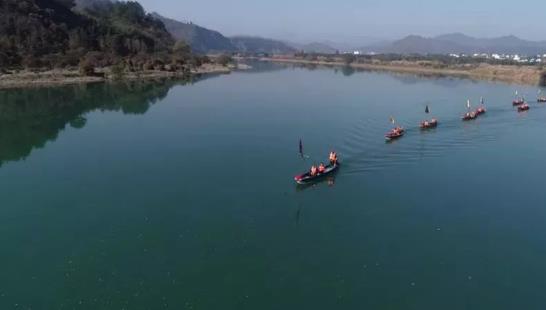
column 201, row 40
column 52, row 33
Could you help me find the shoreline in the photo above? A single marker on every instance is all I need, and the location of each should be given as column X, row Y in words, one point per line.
column 61, row 77
column 526, row 75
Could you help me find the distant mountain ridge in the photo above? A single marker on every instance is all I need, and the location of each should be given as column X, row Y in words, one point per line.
column 314, row 47
column 461, row 43
column 249, row 44
column 203, row 40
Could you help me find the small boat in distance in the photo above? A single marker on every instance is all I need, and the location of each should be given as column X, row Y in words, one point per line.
column 518, row 100
column 481, row 110
column 426, row 124
column 523, row 107
column 433, row 123
column 470, row 115
column 394, row 134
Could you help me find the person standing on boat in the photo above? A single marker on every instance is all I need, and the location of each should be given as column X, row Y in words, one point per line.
column 333, row 158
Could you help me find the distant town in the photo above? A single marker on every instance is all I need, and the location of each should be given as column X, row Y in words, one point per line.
column 524, row 59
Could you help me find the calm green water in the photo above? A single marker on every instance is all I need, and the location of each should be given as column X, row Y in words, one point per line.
column 165, row 195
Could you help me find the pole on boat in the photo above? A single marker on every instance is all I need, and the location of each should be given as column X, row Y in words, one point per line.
column 468, row 104
column 303, row 156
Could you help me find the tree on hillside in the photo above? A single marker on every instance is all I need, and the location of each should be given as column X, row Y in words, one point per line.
column 181, row 52
column 118, row 71
column 87, row 67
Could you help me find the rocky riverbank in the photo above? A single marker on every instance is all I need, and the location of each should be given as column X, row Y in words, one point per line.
column 56, row 77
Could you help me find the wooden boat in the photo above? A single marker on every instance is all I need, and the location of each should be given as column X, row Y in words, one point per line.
column 523, row 107
column 394, row 134
column 469, row 116
column 518, row 102
column 433, row 123
column 307, row 178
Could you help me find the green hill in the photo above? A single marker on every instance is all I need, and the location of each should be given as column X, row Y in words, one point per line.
column 42, row 33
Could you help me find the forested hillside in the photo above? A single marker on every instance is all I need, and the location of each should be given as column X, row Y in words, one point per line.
column 52, row 33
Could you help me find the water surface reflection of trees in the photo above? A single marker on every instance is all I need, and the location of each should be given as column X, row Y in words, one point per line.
column 29, row 118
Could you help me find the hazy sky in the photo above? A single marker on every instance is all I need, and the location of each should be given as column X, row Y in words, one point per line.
column 345, row 19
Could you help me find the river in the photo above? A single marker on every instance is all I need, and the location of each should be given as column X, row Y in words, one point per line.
column 172, row 195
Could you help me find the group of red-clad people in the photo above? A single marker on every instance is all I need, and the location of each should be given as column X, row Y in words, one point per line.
column 430, row 123
column 322, row 168
column 397, row 130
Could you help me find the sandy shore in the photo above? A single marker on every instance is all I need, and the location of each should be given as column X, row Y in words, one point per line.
column 23, row 79
column 529, row 75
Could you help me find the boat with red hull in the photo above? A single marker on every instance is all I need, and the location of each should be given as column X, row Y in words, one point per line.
column 429, row 124
column 469, row 116
column 394, row 134
column 518, row 102
column 524, row 107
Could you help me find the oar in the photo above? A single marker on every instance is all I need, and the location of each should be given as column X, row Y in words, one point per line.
column 301, row 151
